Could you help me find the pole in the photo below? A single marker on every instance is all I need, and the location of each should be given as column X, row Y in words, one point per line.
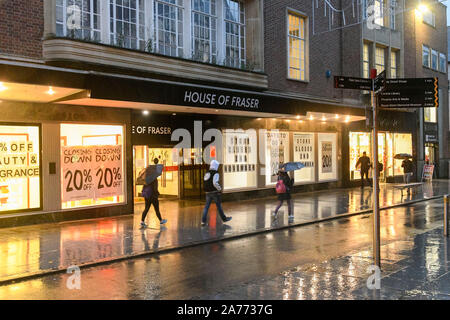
column 376, row 207
column 446, row 215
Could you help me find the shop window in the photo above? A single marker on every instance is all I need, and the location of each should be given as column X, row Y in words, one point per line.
column 297, row 47
column 276, row 146
column 402, row 144
column 240, row 159
column 359, row 143
column 304, row 153
column 20, row 168
column 327, row 144
column 92, row 165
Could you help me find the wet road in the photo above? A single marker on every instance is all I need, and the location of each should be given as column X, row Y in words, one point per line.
column 233, row 269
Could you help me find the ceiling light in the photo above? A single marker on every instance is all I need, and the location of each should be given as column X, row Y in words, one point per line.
column 298, row 117
column 311, row 118
column 145, row 112
column 174, row 114
column 2, row 87
column 50, row 91
column 336, row 116
column 258, row 118
column 287, row 120
column 323, row 118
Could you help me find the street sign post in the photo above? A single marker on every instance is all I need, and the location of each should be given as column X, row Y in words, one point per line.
column 410, row 93
column 352, row 83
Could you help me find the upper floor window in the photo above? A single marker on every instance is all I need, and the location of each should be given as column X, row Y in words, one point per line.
column 442, row 62
column 127, row 24
column 379, row 59
column 296, row 47
column 425, row 56
column 394, row 69
column 78, row 19
column 366, row 60
column 393, row 5
column 379, row 12
column 434, row 59
column 429, row 17
column 234, row 33
column 204, row 37
column 169, row 27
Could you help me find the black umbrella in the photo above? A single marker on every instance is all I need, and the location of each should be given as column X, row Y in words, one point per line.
column 402, row 156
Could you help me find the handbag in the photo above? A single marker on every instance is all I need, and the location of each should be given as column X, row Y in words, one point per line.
column 280, row 187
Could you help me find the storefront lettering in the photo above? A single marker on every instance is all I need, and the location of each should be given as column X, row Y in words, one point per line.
column 212, row 99
column 151, row 130
column 19, row 173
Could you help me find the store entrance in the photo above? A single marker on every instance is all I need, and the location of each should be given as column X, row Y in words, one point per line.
column 431, row 156
column 168, row 182
column 192, row 171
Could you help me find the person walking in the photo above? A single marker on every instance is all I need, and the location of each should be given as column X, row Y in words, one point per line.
column 213, row 192
column 365, row 165
column 283, row 188
column 150, row 193
column 407, row 166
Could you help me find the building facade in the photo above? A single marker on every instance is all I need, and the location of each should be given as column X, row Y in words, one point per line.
column 93, row 90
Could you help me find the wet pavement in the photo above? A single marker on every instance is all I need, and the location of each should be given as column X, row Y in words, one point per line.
column 34, row 250
column 326, row 260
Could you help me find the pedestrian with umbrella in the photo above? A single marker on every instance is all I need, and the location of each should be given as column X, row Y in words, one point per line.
column 150, row 191
column 407, row 166
column 284, row 186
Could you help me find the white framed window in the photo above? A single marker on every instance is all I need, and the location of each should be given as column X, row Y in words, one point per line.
column 379, row 12
column 379, row 59
column 127, row 23
column 168, row 15
column 429, row 18
column 394, row 66
column 234, row 33
column 204, row 30
column 442, row 62
column 434, row 59
column 79, row 19
column 296, row 47
column 366, row 60
column 426, row 56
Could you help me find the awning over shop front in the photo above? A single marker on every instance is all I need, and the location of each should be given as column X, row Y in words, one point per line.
column 41, row 83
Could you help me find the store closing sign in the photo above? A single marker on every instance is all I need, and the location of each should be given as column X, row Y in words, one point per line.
column 91, row 172
column 327, row 156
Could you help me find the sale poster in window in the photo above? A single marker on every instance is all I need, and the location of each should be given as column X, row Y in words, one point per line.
column 20, row 185
column 304, row 153
column 327, row 144
column 277, row 153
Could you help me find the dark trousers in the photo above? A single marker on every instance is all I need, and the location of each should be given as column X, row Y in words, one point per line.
column 289, row 203
column 365, row 173
column 217, row 198
column 148, row 203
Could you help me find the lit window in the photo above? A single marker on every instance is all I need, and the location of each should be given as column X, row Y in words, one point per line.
column 429, row 17
column 393, row 64
column 297, row 47
column 426, row 56
column 78, row 19
column 434, row 59
column 366, row 60
column 379, row 10
column 234, row 33
column 429, row 114
column 379, row 60
column 204, row 28
column 442, row 62
column 169, row 27
column 127, row 23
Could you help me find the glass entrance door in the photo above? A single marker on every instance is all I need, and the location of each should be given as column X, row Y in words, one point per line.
column 192, row 171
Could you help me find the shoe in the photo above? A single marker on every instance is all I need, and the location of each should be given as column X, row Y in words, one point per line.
column 143, row 225
column 227, row 219
column 203, row 224
column 163, row 221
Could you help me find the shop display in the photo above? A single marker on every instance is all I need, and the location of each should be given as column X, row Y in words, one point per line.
column 277, row 152
column 304, row 153
column 20, row 168
column 327, row 144
column 239, row 159
column 91, row 165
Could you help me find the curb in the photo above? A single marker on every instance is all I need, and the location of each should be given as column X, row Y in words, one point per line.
column 18, row 278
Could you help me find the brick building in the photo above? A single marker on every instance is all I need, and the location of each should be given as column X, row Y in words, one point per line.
column 92, row 90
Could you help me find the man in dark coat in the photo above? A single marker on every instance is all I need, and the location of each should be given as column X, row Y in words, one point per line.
column 365, row 164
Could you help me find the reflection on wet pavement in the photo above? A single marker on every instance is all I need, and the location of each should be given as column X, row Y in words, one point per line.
column 33, row 249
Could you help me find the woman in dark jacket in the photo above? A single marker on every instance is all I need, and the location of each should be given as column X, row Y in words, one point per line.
column 288, row 182
column 150, row 193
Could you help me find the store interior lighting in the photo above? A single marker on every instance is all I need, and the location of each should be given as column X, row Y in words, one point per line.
column 145, row 112
column 50, row 91
column 2, row 87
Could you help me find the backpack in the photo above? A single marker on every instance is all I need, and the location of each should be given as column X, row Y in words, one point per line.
column 280, row 187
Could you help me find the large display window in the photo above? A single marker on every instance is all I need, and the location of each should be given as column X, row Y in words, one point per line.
column 304, row 153
column 92, row 165
column 327, row 144
column 276, row 152
column 20, row 168
column 389, row 144
column 240, row 159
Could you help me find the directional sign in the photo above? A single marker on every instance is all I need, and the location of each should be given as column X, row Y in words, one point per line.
column 352, row 83
column 409, row 93
column 380, row 80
